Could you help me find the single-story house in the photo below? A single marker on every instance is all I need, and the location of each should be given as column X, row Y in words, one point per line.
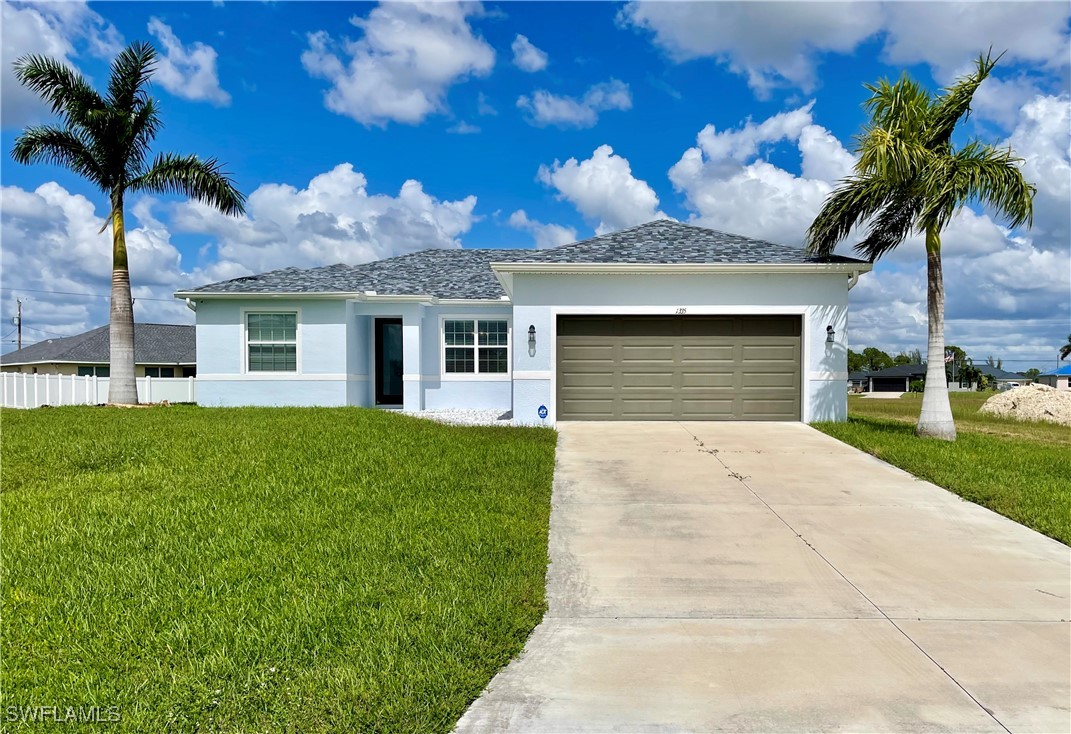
column 662, row 321
column 1001, row 378
column 160, row 350
column 897, row 378
column 859, row 381
column 1059, row 377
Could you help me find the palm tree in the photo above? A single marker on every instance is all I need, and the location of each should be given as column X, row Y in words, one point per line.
column 1065, row 350
column 909, row 178
column 106, row 140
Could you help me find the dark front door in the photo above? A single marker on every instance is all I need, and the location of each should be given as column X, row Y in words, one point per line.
column 388, row 361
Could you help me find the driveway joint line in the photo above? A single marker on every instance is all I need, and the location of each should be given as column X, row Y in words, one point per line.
column 743, row 480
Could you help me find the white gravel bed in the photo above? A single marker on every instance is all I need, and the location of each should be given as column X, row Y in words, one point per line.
column 465, row 417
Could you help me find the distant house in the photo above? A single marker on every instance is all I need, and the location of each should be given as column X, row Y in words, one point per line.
column 160, row 350
column 859, row 381
column 1059, row 377
column 1000, row 378
column 896, row 379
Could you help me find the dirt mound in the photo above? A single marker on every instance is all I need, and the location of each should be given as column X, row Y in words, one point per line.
column 1032, row 403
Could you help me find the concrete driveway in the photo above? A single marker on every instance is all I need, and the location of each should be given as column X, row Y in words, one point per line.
column 767, row 578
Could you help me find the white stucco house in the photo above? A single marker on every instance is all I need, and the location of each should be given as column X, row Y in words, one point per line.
column 663, row 321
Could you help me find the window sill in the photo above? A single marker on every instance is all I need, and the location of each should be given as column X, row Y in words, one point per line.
column 477, row 377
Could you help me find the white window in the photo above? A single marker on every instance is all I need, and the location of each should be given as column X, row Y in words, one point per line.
column 271, row 342
column 475, row 346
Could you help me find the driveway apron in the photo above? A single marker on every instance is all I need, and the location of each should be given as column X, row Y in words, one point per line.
column 764, row 577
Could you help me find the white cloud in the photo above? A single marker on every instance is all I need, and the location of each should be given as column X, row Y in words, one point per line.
column 730, row 187
column 771, row 44
column 603, row 190
column 463, row 128
column 334, row 219
column 53, row 29
column 779, row 44
column 187, row 71
column 52, row 242
column 526, row 56
column 545, row 235
column 545, row 108
column 402, row 67
column 484, row 106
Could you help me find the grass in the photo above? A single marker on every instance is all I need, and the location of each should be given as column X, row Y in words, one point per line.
column 241, row 570
column 1020, row 469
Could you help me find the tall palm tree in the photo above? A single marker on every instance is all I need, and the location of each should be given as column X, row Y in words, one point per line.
column 106, row 140
column 1065, row 350
column 909, row 178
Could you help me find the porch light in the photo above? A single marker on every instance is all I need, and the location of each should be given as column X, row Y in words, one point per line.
column 531, row 340
column 830, row 335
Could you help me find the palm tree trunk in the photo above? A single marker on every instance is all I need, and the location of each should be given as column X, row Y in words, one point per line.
column 122, row 386
column 935, row 420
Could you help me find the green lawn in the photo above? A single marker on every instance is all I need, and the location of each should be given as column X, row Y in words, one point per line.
column 242, row 570
column 1020, row 469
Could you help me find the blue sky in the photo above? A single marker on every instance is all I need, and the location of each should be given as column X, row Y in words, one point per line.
column 524, row 124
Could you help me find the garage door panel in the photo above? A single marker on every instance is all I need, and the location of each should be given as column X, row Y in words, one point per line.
column 666, row 368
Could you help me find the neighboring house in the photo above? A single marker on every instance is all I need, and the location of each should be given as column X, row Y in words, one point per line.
column 897, row 378
column 1000, row 378
column 1059, row 377
column 160, row 350
column 859, row 381
column 662, row 321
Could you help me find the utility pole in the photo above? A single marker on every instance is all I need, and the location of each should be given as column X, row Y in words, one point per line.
column 18, row 320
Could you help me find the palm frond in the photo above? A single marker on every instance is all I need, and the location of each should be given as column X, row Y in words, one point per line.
column 130, row 72
column 986, row 174
column 191, row 176
column 66, row 91
column 902, row 108
column 856, row 199
column 139, row 134
column 954, row 103
column 893, row 224
column 890, row 155
column 49, row 144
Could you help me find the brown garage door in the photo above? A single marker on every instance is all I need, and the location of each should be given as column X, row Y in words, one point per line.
column 678, row 368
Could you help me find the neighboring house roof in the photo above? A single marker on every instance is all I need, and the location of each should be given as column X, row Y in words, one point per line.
column 858, row 376
column 153, row 344
column 466, row 273
column 901, row 370
column 997, row 373
column 1063, row 371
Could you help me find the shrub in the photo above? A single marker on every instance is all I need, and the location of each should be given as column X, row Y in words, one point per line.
column 917, row 385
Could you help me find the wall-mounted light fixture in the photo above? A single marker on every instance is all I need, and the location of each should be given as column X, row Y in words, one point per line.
column 831, row 336
column 531, row 340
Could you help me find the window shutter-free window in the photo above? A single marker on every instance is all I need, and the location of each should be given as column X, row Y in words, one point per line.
column 272, row 342
column 475, row 346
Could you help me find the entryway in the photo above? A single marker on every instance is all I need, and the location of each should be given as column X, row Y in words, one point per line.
column 388, row 359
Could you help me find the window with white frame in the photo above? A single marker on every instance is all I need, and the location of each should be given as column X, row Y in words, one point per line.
column 271, row 342
column 475, row 346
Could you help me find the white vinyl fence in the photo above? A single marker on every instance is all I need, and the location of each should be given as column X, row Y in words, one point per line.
column 23, row 390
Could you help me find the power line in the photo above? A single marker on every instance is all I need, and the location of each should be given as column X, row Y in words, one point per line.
column 52, row 333
column 86, row 295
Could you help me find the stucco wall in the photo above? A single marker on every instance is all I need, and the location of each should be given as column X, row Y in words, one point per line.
column 821, row 299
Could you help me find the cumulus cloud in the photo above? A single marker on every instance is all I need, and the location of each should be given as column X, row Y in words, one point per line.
column 730, row 186
column 545, row 108
column 58, row 30
column 545, row 235
column 52, row 242
column 779, row 44
column 187, row 71
column 463, row 128
column 333, row 219
column 403, row 65
column 603, row 190
column 526, row 56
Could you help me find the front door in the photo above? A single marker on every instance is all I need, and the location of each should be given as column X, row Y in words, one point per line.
column 388, row 361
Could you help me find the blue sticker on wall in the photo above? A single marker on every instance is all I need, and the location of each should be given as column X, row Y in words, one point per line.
column 542, row 412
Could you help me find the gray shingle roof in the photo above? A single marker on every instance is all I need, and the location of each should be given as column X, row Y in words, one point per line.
column 466, row 273
column 153, row 344
column 901, row 370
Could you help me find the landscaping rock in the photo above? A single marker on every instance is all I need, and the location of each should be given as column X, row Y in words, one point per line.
column 466, row 417
column 1032, row 403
